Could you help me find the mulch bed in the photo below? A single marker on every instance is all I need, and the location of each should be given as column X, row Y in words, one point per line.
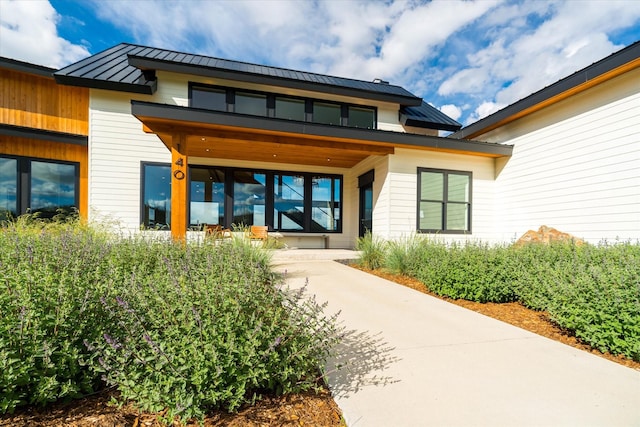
column 306, row 409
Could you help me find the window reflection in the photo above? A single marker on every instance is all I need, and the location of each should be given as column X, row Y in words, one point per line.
column 249, row 198
column 157, row 196
column 288, row 203
column 207, row 196
column 8, row 188
column 325, row 203
column 53, row 188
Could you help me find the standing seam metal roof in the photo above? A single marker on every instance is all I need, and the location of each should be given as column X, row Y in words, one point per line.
column 123, row 68
column 113, row 66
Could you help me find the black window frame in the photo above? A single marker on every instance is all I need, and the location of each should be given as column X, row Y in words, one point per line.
column 142, row 191
column 23, row 183
column 271, row 103
column 445, row 201
column 269, row 196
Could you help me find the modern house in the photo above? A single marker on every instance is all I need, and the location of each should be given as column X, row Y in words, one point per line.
column 173, row 141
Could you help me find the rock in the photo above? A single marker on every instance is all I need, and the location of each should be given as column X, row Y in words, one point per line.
column 546, row 235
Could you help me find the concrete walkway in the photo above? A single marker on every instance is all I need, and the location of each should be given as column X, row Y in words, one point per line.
column 414, row 360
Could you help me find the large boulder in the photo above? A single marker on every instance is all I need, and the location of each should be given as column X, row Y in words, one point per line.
column 546, row 235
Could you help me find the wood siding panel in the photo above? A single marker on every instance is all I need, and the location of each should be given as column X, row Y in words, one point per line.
column 53, row 151
column 576, row 166
column 38, row 102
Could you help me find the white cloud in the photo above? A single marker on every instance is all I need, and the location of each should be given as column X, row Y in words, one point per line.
column 534, row 44
column 28, row 33
column 452, row 111
column 483, row 110
column 476, row 54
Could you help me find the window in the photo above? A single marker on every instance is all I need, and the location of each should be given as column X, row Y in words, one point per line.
column 290, row 109
column 281, row 106
column 325, row 203
column 360, row 117
column 44, row 187
column 156, row 196
column 249, row 198
column 8, row 188
column 288, row 202
column 251, row 103
column 444, row 201
column 210, row 98
column 206, row 204
column 329, row 114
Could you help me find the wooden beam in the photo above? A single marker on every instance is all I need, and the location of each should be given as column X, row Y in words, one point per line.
column 179, row 186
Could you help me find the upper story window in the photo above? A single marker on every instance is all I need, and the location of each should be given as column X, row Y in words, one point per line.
column 251, row 103
column 361, row 117
column 210, row 98
column 290, row 108
column 266, row 104
column 327, row 113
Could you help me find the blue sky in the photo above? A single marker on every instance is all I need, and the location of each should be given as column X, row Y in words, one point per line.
column 467, row 58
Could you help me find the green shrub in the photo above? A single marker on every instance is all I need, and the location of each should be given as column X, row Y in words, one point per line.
column 372, row 251
column 474, row 272
column 592, row 291
column 185, row 328
column 47, row 310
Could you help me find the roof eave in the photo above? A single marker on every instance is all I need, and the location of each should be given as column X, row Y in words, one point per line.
column 425, row 124
column 26, row 67
column 42, row 134
column 399, row 139
column 145, row 87
column 144, row 63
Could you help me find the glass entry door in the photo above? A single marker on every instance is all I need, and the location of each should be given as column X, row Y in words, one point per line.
column 365, row 184
column 366, row 209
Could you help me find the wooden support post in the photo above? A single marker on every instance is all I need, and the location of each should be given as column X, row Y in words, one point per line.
column 179, row 187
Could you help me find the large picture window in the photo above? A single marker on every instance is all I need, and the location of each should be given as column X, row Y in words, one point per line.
column 249, row 198
column 444, row 201
column 43, row 187
column 326, row 202
column 53, row 187
column 284, row 201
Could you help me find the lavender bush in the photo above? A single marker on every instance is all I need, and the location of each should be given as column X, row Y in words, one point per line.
column 178, row 328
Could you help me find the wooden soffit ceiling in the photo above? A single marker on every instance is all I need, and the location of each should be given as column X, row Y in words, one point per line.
column 230, row 142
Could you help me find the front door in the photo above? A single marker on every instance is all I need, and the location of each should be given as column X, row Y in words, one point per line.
column 366, row 209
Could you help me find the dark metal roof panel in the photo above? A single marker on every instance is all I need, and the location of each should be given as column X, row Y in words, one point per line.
column 106, row 65
column 605, row 65
column 426, row 116
column 110, row 70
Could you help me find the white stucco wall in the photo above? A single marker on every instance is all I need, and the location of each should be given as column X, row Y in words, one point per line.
column 575, row 166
